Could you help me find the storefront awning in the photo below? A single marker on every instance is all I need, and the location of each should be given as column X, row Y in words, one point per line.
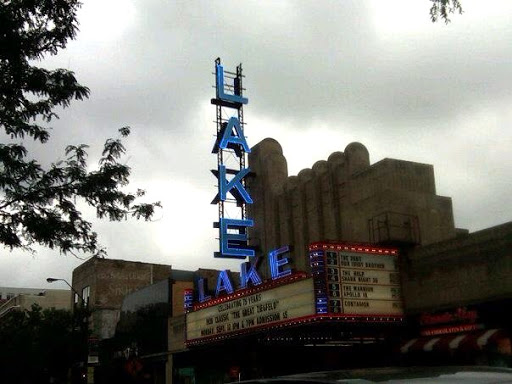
column 469, row 341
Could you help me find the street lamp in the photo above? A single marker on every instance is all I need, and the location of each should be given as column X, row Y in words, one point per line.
column 82, row 315
column 53, row 279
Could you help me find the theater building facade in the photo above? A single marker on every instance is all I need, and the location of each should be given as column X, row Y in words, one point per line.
column 360, row 265
column 348, row 264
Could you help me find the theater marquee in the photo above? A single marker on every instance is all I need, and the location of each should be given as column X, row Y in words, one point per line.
column 348, row 283
column 250, row 310
column 356, row 280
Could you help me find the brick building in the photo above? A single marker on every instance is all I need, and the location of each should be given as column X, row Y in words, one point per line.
column 103, row 284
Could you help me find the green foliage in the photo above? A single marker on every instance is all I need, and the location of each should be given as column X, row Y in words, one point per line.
column 38, row 205
column 36, row 345
column 440, row 9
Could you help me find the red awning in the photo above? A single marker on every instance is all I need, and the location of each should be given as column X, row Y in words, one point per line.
column 470, row 341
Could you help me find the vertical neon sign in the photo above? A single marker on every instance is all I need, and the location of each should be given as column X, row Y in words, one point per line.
column 231, row 144
column 231, row 148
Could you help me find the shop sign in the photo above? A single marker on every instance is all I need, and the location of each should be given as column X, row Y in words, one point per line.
column 450, row 329
column 459, row 315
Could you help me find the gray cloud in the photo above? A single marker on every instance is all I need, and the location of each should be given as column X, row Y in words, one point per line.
column 318, row 76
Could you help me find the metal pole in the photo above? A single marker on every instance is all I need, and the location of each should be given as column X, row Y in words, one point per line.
column 84, row 323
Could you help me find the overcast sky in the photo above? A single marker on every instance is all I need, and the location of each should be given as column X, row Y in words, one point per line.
column 319, row 75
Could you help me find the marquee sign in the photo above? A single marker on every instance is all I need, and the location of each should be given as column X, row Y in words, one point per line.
column 253, row 310
column 356, row 279
column 348, row 284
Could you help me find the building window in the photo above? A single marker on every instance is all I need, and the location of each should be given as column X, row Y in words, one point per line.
column 86, row 292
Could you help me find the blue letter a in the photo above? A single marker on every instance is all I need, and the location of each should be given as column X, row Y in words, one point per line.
column 228, row 137
column 223, row 283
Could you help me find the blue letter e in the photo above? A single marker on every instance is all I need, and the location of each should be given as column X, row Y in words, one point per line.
column 234, row 244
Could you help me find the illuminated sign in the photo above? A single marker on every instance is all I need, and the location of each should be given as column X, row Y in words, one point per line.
column 188, row 299
column 459, row 315
column 356, row 280
column 279, row 268
column 348, row 284
column 233, row 241
column 459, row 320
column 451, row 329
column 231, row 143
column 252, row 311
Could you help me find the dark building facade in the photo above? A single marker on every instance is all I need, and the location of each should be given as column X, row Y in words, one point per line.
column 454, row 285
column 446, row 272
column 101, row 284
column 104, row 283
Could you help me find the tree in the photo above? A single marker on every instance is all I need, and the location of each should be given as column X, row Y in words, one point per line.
column 440, row 9
column 38, row 204
column 42, row 337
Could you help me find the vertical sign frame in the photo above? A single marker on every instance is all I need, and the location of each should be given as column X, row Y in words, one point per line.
column 231, row 148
